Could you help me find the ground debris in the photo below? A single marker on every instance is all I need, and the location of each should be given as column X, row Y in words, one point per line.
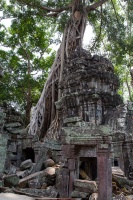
column 121, row 186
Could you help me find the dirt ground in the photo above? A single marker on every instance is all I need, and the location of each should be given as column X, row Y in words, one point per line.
column 11, row 196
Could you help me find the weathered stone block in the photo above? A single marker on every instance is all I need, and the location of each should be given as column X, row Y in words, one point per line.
column 24, row 182
column 49, row 171
column 22, row 174
column 11, row 180
column 94, row 196
column 12, row 170
column 49, row 163
column 118, row 171
column 26, row 164
column 13, row 125
column 85, row 186
column 50, row 192
column 35, row 183
column 50, row 175
column 77, row 194
column 72, row 120
column 121, row 181
column 129, row 197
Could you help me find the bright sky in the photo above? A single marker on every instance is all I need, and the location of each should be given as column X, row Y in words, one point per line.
column 88, row 35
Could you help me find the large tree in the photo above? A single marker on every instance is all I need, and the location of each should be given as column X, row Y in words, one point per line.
column 25, row 57
column 72, row 16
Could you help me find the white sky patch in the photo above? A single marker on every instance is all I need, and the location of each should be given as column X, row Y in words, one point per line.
column 88, row 35
column 5, row 22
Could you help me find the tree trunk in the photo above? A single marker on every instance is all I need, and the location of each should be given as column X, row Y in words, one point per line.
column 28, row 93
column 28, row 110
column 72, row 38
column 129, row 89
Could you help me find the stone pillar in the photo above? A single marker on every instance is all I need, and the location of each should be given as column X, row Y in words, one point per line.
column 36, row 152
column 67, row 173
column 71, row 167
column 62, row 182
column 19, row 156
column 104, row 175
column 19, row 152
column 121, row 154
column 37, row 149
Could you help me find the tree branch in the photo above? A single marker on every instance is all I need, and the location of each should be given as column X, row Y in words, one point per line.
column 100, row 31
column 42, row 7
column 95, row 5
column 55, row 10
column 115, row 12
column 54, row 14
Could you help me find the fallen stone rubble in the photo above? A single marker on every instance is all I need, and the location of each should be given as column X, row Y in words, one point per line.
column 122, row 187
column 42, row 184
column 23, row 181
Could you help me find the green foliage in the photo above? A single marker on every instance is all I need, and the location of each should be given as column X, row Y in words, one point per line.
column 113, row 30
column 25, row 57
column 121, row 48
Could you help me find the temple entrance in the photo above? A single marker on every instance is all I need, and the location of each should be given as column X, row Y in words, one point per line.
column 28, row 153
column 116, row 163
column 88, row 168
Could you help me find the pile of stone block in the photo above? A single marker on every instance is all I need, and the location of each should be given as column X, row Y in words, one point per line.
column 122, row 187
column 39, row 184
column 85, row 189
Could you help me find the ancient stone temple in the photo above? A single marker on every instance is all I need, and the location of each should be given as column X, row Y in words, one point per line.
column 82, row 140
column 92, row 132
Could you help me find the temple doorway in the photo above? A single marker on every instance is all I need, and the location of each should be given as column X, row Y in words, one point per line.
column 28, row 153
column 88, row 168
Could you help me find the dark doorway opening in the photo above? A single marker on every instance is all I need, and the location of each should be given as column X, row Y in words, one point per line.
column 28, row 153
column 116, row 163
column 88, row 167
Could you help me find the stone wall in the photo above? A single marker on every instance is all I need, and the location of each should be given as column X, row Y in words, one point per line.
column 120, row 121
column 3, row 151
column 3, row 141
column 13, row 138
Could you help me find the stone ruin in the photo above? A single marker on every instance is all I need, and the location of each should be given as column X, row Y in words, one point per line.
column 92, row 139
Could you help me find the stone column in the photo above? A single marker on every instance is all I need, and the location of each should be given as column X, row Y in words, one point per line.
column 36, row 152
column 65, row 180
column 37, row 149
column 62, row 182
column 104, row 174
column 71, row 167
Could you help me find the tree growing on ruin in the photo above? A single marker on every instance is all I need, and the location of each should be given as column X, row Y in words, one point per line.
column 77, row 13
column 70, row 16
